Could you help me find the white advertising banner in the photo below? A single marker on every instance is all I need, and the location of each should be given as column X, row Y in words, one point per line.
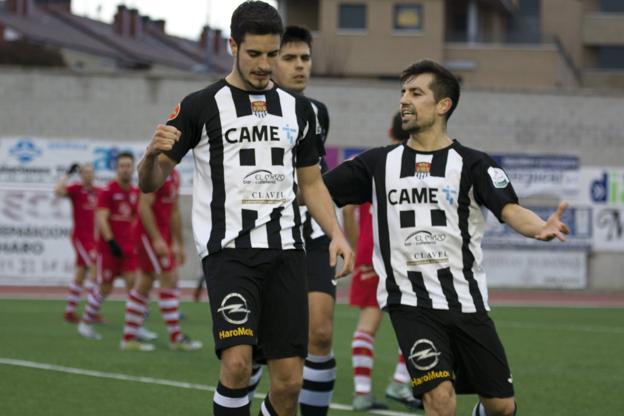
column 536, row 269
column 602, row 189
column 35, row 230
column 536, row 175
column 39, row 163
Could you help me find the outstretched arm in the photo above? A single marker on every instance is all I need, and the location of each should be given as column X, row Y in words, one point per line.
column 155, row 166
column 321, row 207
column 529, row 224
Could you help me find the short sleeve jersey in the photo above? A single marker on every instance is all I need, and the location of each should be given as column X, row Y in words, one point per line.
column 427, row 220
column 246, row 148
column 123, row 206
column 84, row 201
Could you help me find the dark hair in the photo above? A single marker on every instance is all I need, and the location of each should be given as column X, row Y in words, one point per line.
column 297, row 34
column 123, row 154
column 396, row 130
column 257, row 18
column 444, row 84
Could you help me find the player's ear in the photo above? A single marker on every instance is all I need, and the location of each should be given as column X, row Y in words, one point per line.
column 444, row 105
column 233, row 46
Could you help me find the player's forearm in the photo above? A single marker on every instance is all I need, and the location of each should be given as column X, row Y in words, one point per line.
column 321, row 206
column 103, row 227
column 151, row 173
column 522, row 220
column 350, row 224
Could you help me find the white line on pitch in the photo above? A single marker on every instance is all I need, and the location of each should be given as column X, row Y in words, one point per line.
column 159, row 381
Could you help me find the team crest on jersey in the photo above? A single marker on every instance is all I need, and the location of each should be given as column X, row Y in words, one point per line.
column 422, row 169
column 174, row 113
column 258, row 105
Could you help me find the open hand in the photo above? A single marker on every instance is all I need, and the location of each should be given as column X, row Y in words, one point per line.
column 554, row 227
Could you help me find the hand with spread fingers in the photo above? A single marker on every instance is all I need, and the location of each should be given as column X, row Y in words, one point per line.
column 554, row 227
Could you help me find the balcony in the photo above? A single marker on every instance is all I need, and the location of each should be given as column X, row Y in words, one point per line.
column 603, row 29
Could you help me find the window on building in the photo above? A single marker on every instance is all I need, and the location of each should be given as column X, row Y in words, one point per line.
column 352, row 17
column 612, row 6
column 408, row 17
column 611, row 57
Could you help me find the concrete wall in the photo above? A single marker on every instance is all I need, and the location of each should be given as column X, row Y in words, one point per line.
column 127, row 107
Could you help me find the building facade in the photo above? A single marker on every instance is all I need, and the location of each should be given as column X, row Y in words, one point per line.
column 488, row 43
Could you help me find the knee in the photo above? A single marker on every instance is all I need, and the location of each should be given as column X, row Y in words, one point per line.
column 236, row 368
column 441, row 399
column 286, row 386
column 321, row 338
column 501, row 407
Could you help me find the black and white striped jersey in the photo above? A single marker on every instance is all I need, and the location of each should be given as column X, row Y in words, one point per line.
column 246, row 147
column 427, row 221
column 311, row 229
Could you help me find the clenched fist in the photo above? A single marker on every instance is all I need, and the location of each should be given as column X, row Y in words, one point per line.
column 163, row 139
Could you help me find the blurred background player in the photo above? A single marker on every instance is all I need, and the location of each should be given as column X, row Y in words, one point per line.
column 292, row 71
column 160, row 251
column 363, row 294
column 116, row 220
column 83, row 198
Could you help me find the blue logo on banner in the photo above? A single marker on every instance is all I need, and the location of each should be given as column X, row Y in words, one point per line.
column 104, row 157
column 25, row 151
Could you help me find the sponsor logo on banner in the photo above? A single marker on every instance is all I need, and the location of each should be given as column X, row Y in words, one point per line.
column 608, row 188
column 25, row 151
column 424, row 355
column 498, row 176
column 234, row 309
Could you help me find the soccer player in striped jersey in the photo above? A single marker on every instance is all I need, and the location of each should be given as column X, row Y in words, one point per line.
column 160, row 251
column 292, row 72
column 363, row 295
column 428, row 223
column 254, row 149
column 83, row 198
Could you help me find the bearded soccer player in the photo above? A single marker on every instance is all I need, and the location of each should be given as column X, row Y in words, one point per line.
column 161, row 249
column 83, row 197
column 363, row 295
column 249, row 139
column 427, row 197
column 116, row 221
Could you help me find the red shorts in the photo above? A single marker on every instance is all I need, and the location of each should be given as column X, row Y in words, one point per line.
column 364, row 287
column 108, row 267
column 85, row 251
column 149, row 262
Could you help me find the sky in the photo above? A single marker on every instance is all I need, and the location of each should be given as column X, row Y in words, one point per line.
column 183, row 18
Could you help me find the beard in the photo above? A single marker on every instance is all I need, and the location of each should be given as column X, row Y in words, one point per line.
column 246, row 80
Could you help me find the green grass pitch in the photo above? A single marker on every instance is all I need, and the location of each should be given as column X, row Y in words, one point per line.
column 565, row 361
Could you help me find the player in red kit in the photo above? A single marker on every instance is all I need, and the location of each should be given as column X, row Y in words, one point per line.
column 83, row 198
column 363, row 294
column 160, row 250
column 116, row 220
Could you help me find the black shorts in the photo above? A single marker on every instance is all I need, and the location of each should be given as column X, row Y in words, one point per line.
column 320, row 273
column 258, row 297
column 442, row 345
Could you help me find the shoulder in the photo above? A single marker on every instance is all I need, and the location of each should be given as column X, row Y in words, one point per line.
column 206, row 94
column 321, row 107
column 470, row 155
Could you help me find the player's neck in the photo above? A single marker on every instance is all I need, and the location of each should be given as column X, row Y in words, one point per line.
column 429, row 141
column 123, row 185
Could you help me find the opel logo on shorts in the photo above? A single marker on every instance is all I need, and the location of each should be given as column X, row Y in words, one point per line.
column 234, row 309
column 424, row 355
